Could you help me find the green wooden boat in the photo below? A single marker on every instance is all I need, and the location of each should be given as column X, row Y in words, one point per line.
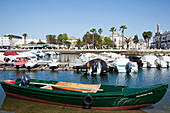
column 108, row 97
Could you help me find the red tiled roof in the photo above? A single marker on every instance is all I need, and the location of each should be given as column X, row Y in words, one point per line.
column 73, row 38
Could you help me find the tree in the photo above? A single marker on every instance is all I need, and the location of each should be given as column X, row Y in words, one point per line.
column 122, row 28
column 40, row 42
column 93, row 31
column 79, row 43
column 68, row 44
column 108, row 42
column 127, row 40
column 147, row 36
column 65, row 37
column 62, row 38
column 100, row 32
column 135, row 40
column 10, row 38
column 24, row 35
column 32, row 42
column 86, row 38
column 113, row 29
column 51, row 39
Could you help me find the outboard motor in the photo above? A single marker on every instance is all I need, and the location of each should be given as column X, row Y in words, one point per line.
column 140, row 64
column 25, row 79
column 94, row 67
column 158, row 63
column 148, row 65
column 128, row 67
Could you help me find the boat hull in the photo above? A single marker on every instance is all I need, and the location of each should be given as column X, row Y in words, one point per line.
column 114, row 100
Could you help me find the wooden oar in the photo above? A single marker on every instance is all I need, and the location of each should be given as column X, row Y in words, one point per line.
column 67, row 86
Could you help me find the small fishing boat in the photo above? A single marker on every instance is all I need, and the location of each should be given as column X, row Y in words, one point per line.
column 92, row 96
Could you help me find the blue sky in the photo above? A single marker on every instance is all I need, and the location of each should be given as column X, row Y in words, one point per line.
column 39, row 18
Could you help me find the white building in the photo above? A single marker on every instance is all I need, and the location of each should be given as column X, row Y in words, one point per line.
column 16, row 40
column 73, row 41
column 161, row 40
column 117, row 38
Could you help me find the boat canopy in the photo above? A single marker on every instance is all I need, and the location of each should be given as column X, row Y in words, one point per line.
column 7, row 53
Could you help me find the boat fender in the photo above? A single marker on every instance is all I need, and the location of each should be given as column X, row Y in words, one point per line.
column 10, row 81
column 88, row 100
column 6, row 59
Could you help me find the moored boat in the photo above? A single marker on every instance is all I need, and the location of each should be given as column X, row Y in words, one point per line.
column 107, row 97
column 20, row 62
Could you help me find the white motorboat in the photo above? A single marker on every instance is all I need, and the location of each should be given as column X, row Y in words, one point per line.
column 54, row 64
column 78, row 64
column 166, row 60
column 150, row 61
column 124, row 65
column 40, row 54
column 32, row 63
column 49, row 54
column 95, row 67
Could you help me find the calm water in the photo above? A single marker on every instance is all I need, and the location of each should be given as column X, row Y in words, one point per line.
column 144, row 77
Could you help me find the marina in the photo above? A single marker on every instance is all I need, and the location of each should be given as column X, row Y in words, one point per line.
column 90, row 56
column 144, row 77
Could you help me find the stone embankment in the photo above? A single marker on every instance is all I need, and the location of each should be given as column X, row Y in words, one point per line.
column 119, row 51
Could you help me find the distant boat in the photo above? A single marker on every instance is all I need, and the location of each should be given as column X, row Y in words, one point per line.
column 107, row 97
column 124, row 65
column 152, row 61
column 20, row 62
column 32, row 63
column 95, row 67
column 54, row 64
column 165, row 59
column 9, row 56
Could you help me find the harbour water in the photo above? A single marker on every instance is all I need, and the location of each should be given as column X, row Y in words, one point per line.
column 144, row 77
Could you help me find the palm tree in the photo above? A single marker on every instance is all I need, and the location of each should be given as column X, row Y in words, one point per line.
column 100, row 32
column 10, row 38
column 145, row 36
column 93, row 31
column 122, row 28
column 113, row 29
column 127, row 40
column 24, row 35
column 149, row 36
column 135, row 40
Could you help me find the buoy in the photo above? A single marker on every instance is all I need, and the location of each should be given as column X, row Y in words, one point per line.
column 88, row 65
column 10, row 81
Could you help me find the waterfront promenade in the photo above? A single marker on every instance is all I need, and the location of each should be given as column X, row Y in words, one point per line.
column 119, row 51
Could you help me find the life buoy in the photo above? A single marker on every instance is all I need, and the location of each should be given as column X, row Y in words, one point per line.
column 88, row 100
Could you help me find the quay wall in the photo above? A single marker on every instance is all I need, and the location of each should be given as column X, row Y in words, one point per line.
column 121, row 51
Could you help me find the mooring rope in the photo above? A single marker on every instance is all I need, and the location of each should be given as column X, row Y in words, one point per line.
column 167, row 89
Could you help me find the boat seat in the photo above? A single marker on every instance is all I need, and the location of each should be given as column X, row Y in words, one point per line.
column 47, row 87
